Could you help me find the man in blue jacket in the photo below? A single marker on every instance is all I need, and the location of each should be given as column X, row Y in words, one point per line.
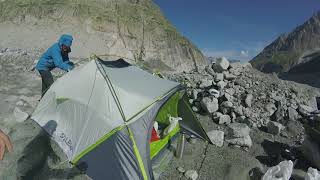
column 55, row 56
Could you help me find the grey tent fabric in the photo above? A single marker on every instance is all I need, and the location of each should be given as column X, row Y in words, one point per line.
column 113, row 159
column 190, row 123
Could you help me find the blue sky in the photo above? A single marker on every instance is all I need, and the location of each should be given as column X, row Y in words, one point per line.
column 236, row 29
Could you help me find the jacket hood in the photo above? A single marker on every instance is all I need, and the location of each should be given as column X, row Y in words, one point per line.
column 66, row 40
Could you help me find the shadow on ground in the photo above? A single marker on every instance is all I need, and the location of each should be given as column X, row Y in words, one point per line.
column 311, row 79
column 277, row 152
column 38, row 157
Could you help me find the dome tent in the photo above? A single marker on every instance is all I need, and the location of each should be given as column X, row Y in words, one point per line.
column 101, row 114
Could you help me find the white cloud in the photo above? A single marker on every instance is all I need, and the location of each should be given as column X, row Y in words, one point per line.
column 244, row 53
column 238, row 50
column 229, row 54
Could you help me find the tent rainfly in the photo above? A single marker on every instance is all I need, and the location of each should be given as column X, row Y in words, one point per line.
column 101, row 114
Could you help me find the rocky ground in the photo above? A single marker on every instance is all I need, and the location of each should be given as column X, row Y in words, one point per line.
column 254, row 120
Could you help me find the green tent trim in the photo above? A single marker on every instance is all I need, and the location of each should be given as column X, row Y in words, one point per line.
column 170, row 108
column 90, row 148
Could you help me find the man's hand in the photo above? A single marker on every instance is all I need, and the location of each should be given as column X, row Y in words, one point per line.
column 5, row 143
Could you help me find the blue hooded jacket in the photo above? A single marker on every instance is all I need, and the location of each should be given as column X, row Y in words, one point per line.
column 53, row 58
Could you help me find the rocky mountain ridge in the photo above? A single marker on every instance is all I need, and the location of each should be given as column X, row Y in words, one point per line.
column 290, row 50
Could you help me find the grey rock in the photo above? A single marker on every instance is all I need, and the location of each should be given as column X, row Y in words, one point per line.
column 281, row 171
column 248, row 100
column 216, row 137
column 250, row 122
column 239, row 130
column 221, row 65
column 194, row 94
column 270, row 108
column 238, row 110
column 274, row 127
column 227, row 97
column 210, row 105
column 210, row 71
column 224, row 119
column 214, row 92
column 218, row 77
column 292, row 114
column 181, row 170
column 233, row 117
column 19, row 115
column 229, row 76
column 240, row 118
column 189, row 93
column 248, row 112
column 216, row 115
column 230, row 91
column 242, row 141
column 279, row 114
column 191, row 101
column 312, row 174
column 227, row 104
column 191, row 174
column 19, row 103
column 205, row 83
column 236, row 68
column 305, row 110
column 221, row 84
column 195, row 109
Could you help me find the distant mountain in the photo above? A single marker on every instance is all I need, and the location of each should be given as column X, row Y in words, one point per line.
column 294, row 52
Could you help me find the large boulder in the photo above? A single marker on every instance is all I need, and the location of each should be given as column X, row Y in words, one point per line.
column 216, row 137
column 229, row 76
column 221, row 65
column 205, row 83
column 305, row 110
column 213, row 92
column 242, row 141
column 248, row 100
column 224, row 119
column 239, row 134
column 274, row 127
column 191, row 174
column 292, row 114
column 239, row 129
column 210, row 104
column 270, row 108
column 19, row 115
column 282, row 171
column 312, row 174
column 218, row 77
column 221, row 84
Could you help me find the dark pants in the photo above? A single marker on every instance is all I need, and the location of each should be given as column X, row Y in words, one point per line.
column 47, row 81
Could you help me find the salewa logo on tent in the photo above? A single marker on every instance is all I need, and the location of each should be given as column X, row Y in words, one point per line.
column 66, row 140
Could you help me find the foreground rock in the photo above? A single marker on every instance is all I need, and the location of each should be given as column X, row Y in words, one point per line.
column 282, row 171
column 19, row 115
column 312, row 174
column 210, row 105
column 216, row 137
column 191, row 174
column 221, row 65
column 240, row 135
column 274, row 127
